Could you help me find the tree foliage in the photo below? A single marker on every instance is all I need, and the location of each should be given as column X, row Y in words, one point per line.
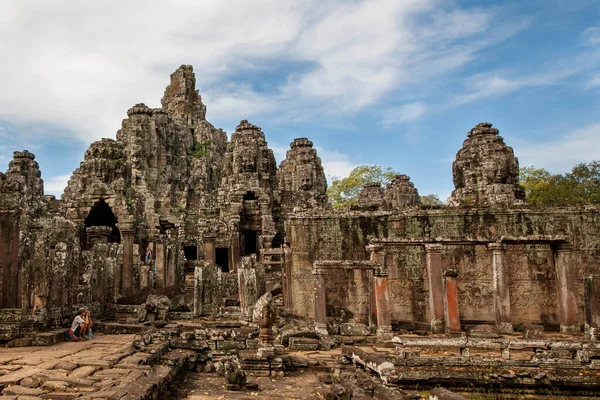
column 343, row 192
column 431, row 200
column 580, row 186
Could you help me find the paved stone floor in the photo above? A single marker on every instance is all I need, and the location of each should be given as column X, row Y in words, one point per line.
column 97, row 368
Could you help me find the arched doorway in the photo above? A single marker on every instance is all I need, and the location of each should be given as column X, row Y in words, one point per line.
column 102, row 215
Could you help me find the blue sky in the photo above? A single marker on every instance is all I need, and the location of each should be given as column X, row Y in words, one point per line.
column 388, row 82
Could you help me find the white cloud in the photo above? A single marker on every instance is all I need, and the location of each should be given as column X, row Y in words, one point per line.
column 279, row 152
column 593, row 82
column 591, row 36
column 78, row 66
column 560, row 155
column 55, row 185
column 403, row 114
column 335, row 164
column 236, row 102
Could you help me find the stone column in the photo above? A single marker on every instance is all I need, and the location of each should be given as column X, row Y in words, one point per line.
column 433, row 257
column 565, row 288
column 161, row 257
column 127, row 237
column 198, row 292
column 501, row 287
column 320, row 302
column 382, row 304
column 209, row 246
column 377, row 256
column 170, row 276
column 451, row 313
column 592, row 306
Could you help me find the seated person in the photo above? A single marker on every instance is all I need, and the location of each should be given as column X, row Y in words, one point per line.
column 75, row 332
column 86, row 326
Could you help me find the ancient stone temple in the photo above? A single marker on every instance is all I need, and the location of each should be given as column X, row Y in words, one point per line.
column 173, row 219
column 485, row 172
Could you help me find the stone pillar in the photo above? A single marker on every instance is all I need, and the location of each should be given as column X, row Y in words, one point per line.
column 501, row 287
column 127, row 237
column 382, row 304
column 198, row 292
column 451, row 313
column 376, row 256
column 248, row 285
column 565, row 288
column 209, row 246
column 320, row 302
column 170, row 276
column 161, row 258
column 433, row 257
column 592, row 307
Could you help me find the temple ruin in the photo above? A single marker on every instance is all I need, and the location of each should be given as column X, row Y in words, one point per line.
column 172, row 209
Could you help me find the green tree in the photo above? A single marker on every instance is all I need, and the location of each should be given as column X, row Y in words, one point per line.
column 580, row 186
column 586, row 176
column 431, row 200
column 344, row 192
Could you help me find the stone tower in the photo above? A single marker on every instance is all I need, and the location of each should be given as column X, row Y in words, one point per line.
column 301, row 177
column 181, row 99
column 485, row 172
column 248, row 195
column 401, row 193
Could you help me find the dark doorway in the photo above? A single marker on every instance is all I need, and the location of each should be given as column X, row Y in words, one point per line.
column 222, row 256
column 102, row 215
column 249, row 243
column 190, row 252
column 250, row 196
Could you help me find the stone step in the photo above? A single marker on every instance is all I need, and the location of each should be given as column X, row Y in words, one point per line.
column 117, row 328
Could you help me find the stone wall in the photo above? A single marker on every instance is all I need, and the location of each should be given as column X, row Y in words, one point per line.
column 531, row 273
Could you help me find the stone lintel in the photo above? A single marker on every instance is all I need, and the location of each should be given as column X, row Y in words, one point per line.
column 434, row 247
column 562, row 247
column 496, row 246
column 321, row 267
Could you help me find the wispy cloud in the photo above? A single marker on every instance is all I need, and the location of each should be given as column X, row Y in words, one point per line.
column 55, row 185
column 403, row 114
column 561, row 154
column 335, row 164
column 591, row 36
column 498, row 83
column 62, row 73
column 593, row 81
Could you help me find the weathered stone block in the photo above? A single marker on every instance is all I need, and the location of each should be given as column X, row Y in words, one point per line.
column 306, row 344
column 231, row 344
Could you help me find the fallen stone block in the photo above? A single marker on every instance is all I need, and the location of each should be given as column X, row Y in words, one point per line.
column 354, row 329
column 190, row 344
column 385, row 369
column 306, row 344
column 231, row 344
column 288, row 333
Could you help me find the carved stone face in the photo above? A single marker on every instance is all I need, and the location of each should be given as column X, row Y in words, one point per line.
column 305, row 179
column 248, row 160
